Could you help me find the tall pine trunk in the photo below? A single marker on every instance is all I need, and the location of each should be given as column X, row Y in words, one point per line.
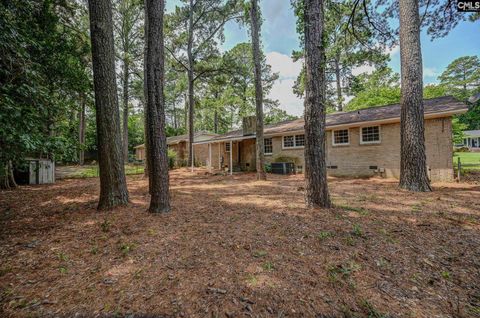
column 191, row 97
column 113, row 186
column 413, row 163
column 339, row 83
column 81, row 131
column 155, row 130
column 126, row 79
column 255, row 21
column 316, row 189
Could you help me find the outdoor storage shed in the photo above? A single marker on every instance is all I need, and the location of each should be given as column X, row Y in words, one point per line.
column 41, row 171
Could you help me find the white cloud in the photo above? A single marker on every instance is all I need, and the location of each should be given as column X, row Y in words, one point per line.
column 393, row 50
column 430, row 72
column 282, row 90
column 284, row 65
column 363, row 69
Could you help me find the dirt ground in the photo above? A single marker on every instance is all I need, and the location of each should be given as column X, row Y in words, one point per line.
column 235, row 247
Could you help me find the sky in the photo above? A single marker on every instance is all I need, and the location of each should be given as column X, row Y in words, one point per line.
column 279, row 39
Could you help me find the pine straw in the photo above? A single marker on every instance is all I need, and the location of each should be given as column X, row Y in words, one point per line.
column 233, row 246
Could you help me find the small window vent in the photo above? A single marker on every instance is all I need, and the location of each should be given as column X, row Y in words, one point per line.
column 373, row 167
column 332, row 167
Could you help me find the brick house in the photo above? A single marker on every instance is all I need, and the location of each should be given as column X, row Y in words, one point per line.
column 179, row 144
column 359, row 143
column 471, row 140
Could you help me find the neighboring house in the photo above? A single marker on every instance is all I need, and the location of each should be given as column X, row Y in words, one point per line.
column 471, row 140
column 359, row 143
column 180, row 145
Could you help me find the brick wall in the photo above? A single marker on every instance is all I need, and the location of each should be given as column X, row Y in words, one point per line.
column 355, row 159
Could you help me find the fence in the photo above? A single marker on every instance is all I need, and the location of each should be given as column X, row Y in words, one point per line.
column 467, row 170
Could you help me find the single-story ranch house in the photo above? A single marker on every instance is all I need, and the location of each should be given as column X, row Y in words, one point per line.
column 359, row 143
column 471, row 140
column 180, row 145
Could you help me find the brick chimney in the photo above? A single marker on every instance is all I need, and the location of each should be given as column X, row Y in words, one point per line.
column 249, row 125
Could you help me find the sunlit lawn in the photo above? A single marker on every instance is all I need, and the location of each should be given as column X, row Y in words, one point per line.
column 469, row 160
column 91, row 171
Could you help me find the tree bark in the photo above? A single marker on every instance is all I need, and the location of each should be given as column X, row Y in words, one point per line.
column 215, row 121
column 157, row 141
column 190, row 75
column 339, row 83
column 255, row 21
column 413, row 166
column 316, row 189
column 113, row 186
column 7, row 179
column 145, row 98
column 81, row 132
column 126, row 79
column 11, row 177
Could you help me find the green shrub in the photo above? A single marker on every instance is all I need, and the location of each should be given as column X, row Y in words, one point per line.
column 172, row 157
column 268, row 168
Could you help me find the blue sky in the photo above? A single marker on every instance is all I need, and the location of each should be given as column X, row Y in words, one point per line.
column 279, row 39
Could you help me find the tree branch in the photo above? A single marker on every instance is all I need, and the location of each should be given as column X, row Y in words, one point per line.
column 178, row 61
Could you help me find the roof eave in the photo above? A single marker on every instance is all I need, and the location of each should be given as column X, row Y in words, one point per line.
column 345, row 125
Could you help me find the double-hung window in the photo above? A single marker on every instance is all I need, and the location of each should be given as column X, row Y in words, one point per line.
column 293, row 141
column 267, row 146
column 370, row 135
column 288, row 141
column 227, row 147
column 340, row 137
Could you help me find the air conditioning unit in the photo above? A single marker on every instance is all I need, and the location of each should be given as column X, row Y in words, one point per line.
column 283, row 167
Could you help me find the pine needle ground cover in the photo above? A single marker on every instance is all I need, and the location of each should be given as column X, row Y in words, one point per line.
column 233, row 246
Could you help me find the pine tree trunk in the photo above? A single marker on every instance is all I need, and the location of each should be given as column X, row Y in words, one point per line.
column 81, row 133
column 145, row 97
column 413, row 166
column 191, row 98
column 157, row 141
column 339, row 83
column 113, row 186
column 215, row 121
column 255, row 21
column 316, row 189
column 126, row 79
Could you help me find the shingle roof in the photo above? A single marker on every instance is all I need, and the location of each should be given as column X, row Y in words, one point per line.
column 446, row 104
column 176, row 139
column 472, row 133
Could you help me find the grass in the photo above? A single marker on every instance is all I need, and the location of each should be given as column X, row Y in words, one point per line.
column 92, row 171
column 471, row 159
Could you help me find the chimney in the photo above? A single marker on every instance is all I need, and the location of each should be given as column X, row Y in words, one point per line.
column 249, row 125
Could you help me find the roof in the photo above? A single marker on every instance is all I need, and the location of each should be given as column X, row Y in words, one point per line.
column 472, row 133
column 435, row 107
column 199, row 136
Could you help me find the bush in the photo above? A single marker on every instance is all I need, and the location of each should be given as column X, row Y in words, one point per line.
column 172, row 157
column 268, row 168
column 462, row 149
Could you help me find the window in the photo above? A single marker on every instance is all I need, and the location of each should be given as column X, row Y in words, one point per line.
column 299, row 140
column 288, row 142
column 340, row 137
column 295, row 141
column 267, row 146
column 370, row 135
column 227, row 147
